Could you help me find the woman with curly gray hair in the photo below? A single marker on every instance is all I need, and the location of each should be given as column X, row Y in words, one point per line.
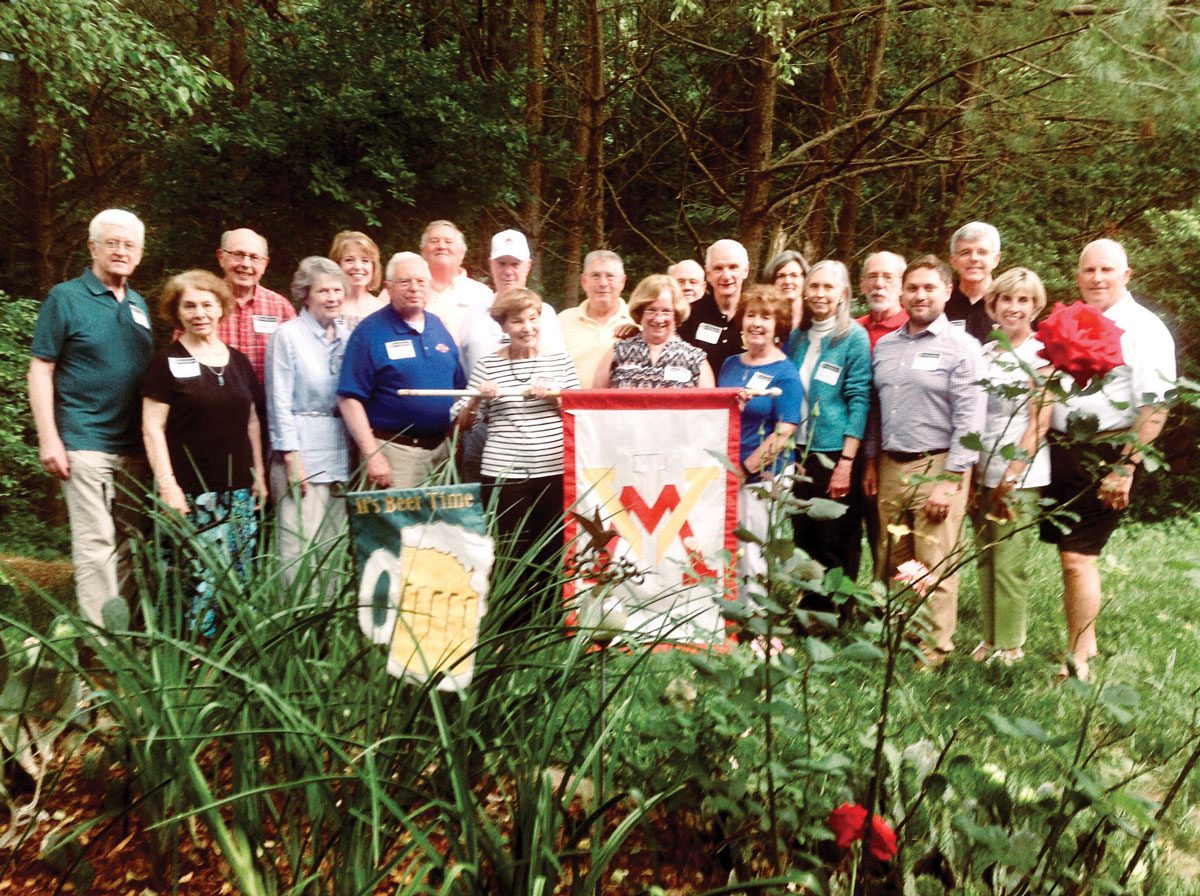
column 308, row 438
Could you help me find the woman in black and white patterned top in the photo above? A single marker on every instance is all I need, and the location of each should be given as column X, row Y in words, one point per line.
column 656, row 358
column 522, row 466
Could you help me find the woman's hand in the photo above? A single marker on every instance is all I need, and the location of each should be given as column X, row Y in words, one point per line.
column 540, row 388
column 172, row 495
column 839, row 482
column 743, row 396
column 295, row 471
column 488, row 390
column 260, row 489
column 1114, row 489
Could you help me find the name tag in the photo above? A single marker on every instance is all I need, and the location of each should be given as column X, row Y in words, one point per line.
column 709, row 333
column 827, row 373
column 400, row 349
column 184, row 368
column 674, row 374
column 927, row 361
column 139, row 316
column 758, row 382
column 265, row 324
column 961, row 324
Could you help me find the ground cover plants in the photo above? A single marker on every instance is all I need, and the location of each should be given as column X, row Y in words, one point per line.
column 284, row 748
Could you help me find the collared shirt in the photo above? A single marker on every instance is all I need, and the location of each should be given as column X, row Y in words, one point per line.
column 929, row 392
column 302, row 377
column 972, row 316
column 587, row 339
column 250, row 325
column 100, row 347
column 386, row 353
column 481, row 335
column 708, row 329
column 1146, row 377
column 457, row 301
column 876, row 330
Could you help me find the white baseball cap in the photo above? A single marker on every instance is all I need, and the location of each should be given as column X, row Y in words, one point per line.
column 510, row 243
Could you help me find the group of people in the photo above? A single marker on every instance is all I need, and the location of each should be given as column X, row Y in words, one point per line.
column 931, row 406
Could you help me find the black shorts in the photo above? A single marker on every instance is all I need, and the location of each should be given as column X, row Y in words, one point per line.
column 1075, row 473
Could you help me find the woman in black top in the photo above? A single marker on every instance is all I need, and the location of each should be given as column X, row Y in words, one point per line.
column 202, row 431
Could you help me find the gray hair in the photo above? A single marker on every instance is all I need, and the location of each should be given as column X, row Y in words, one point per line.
column 602, row 255
column 840, row 275
column 400, row 258
column 780, row 261
column 309, row 270
column 975, row 232
column 732, row 244
column 441, row 222
column 116, row 217
column 1109, row 245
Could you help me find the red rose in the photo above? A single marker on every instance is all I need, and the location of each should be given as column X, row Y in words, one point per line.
column 883, row 839
column 1080, row 341
column 847, row 822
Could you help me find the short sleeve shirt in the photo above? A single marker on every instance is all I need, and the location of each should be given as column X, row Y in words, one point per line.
column 384, row 354
column 207, row 436
column 100, row 348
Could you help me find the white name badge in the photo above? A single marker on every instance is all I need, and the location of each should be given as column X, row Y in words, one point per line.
column 961, row 324
column 673, row 374
column 927, row 361
column 400, row 349
column 827, row 373
column 139, row 316
column 758, row 382
column 709, row 333
column 265, row 324
column 184, row 368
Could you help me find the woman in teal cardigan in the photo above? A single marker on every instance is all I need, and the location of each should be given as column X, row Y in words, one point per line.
column 833, row 355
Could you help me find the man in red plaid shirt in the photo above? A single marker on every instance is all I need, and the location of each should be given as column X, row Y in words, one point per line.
column 258, row 312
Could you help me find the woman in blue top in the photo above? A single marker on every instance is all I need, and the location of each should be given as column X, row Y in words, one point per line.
column 768, row 422
column 833, row 356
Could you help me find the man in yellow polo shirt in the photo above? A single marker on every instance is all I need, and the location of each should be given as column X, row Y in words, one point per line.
column 589, row 328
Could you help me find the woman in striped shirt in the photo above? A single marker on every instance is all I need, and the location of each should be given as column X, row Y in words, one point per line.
column 522, row 466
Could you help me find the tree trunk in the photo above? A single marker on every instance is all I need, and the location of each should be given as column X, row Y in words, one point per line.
column 760, row 145
column 535, row 118
column 32, row 167
column 831, row 94
column 585, row 220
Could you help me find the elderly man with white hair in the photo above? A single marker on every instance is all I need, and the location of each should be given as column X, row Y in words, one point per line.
column 400, row 346
column 453, row 296
column 91, row 345
column 1132, row 402
column 710, row 325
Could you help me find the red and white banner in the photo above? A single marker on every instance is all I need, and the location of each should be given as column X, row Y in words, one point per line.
column 643, row 468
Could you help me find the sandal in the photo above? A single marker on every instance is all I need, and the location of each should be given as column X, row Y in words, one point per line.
column 1008, row 656
column 982, row 651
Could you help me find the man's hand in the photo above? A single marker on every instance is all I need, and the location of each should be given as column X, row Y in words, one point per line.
column 937, row 505
column 871, row 477
column 53, row 455
column 379, row 473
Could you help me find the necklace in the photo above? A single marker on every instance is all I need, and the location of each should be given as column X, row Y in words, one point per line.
column 218, row 372
column 513, row 373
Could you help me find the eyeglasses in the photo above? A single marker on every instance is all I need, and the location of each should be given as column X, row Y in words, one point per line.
column 405, row 282
column 114, row 245
column 245, row 256
column 657, row 313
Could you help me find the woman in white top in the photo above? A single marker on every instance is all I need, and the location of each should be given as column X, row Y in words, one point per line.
column 1013, row 465
column 522, row 466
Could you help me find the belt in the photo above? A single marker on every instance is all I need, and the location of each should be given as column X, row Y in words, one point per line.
column 907, row 457
column 396, row 438
column 317, row 414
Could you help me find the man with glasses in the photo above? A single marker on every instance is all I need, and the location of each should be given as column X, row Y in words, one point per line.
column 91, row 345
column 402, row 346
column 257, row 311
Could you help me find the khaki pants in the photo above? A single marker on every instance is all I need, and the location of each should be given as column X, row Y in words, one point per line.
column 310, row 523
column 937, row 545
column 412, row 466
column 103, row 496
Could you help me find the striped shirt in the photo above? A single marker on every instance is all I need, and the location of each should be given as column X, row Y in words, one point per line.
column 930, row 396
column 525, row 436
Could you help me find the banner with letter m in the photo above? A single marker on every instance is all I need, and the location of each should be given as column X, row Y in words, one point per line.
column 651, row 495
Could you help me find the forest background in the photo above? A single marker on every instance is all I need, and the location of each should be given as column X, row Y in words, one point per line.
column 651, row 127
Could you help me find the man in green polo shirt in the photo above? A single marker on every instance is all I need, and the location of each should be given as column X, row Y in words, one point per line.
column 90, row 348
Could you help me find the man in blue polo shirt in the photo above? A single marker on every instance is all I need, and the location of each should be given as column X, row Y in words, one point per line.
column 400, row 346
column 90, row 348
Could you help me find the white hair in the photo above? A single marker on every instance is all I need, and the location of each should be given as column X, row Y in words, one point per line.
column 400, row 258
column 976, row 232
column 117, row 217
column 1109, row 245
column 737, row 247
column 602, row 255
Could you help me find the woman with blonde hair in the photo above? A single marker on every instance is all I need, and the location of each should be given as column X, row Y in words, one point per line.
column 358, row 257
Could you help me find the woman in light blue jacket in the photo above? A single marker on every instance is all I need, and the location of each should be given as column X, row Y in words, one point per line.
column 833, row 355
